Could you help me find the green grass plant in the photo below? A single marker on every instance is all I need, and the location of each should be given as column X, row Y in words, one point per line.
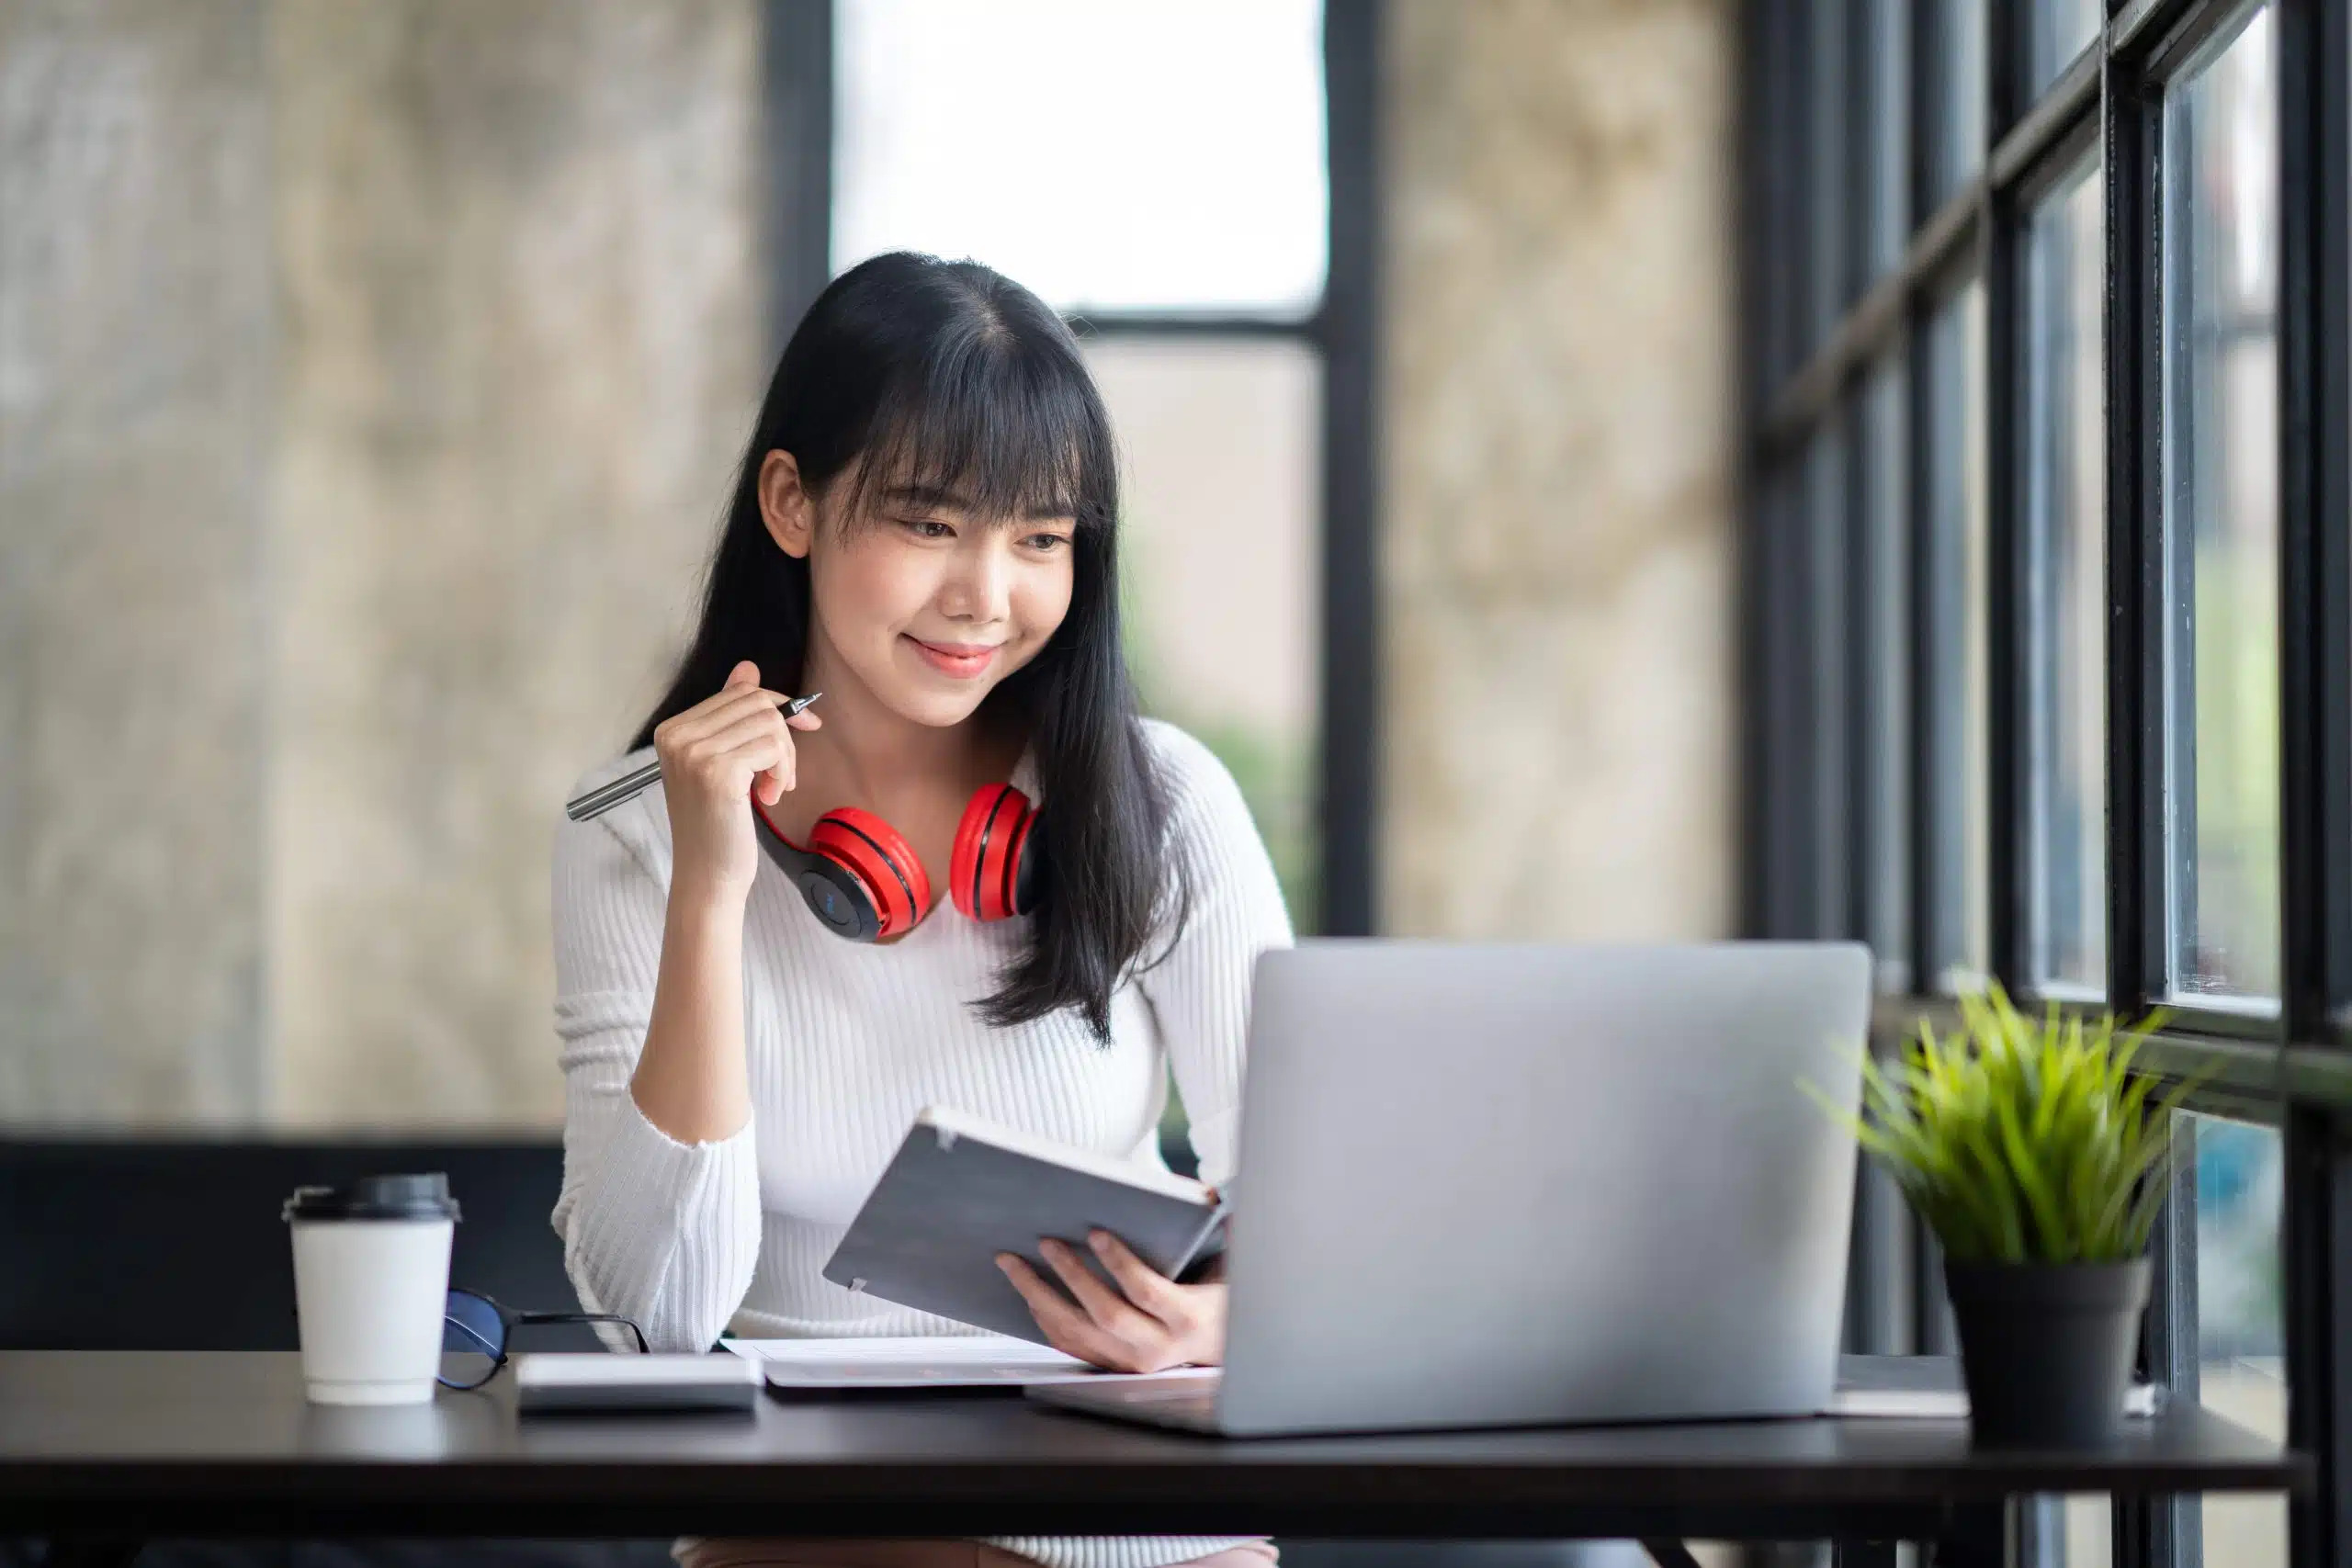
column 2023, row 1140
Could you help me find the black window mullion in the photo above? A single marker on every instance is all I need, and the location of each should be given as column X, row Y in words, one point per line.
column 2168, row 1532
column 1793, row 851
column 2147, row 1533
column 2327, row 552
column 1348, row 749
column 1858, row 744
column 2009, row 578
column 2135, row 576
column 797, row 111
column 1828, row 660
column 2315, row 53
column 2005, row 35
column 2315, row 1243
column 1884, row 575
column 2315, row 650
column 1760, row 111
column 1932, row 1331
column 1921, row 827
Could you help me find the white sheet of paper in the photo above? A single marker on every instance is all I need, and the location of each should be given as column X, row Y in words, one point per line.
column 940, row 1361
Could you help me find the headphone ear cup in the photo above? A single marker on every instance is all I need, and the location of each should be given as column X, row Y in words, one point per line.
column 882, row 860
column 993, row 874
column 834, row 893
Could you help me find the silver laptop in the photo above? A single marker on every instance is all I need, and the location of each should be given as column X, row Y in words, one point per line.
column 1521, row 1185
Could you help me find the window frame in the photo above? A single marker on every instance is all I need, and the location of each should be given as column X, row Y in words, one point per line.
column 2073, row 157
column 798, row 65
column 2290, row 1067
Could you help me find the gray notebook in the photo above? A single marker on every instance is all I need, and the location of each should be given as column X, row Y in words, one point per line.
column 960, row 1190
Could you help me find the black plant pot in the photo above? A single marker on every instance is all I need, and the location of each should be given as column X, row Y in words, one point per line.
column 2046, row 1348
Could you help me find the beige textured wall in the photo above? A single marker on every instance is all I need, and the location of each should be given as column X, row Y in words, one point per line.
column 1557, row 444
column 523, row 347
column 369, row 380
column 134, row 410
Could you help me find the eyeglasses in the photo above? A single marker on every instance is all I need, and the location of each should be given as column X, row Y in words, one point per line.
column 475, row 1329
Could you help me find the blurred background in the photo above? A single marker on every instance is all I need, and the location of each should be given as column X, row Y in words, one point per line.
column 1632, row 469
column 372, row 378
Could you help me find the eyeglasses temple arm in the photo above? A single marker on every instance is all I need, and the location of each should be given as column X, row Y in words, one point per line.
column 545, row 1317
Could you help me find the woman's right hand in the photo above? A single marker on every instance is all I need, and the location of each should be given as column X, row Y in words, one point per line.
column 710, row 756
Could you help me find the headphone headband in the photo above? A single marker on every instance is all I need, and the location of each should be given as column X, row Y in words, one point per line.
column 863, row 881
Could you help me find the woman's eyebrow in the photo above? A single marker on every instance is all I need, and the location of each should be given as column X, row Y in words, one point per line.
column 957, row 500
column 926, row 495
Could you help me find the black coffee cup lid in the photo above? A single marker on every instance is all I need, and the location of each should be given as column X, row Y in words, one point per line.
column 417, row 1197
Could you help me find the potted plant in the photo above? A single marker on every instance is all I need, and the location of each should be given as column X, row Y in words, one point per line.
column 2040, row 1162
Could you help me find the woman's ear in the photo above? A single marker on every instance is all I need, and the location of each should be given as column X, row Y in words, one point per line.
column 786, row 505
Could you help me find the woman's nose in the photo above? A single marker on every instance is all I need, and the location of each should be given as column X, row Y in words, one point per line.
column 979, row 585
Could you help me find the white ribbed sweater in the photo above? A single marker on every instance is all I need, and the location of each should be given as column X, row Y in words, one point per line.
column 846, row 1044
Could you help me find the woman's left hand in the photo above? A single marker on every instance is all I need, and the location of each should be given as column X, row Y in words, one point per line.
column 1155, row 1324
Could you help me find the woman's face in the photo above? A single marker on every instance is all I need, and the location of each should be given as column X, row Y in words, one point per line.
column 928, row 605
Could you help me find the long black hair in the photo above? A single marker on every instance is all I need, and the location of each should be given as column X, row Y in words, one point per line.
column 946, row 376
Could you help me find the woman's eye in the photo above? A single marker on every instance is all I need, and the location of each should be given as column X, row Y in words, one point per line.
column 1047, row 543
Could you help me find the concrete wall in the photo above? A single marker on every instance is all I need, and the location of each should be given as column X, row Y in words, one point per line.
column 369, row 380
column 1558, row 423
column 136, row 395
column 522, row 347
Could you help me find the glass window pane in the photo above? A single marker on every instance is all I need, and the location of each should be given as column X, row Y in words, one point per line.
column 1952, row 97
column 1880, row 124
column 1156, row 154
column 1783, row 178
column 2066, row 532
column 2056, row 31
column 2221, row 515
column 1952, row 363
column 2239, row 1333
column 1220, row 447
column 1832, row 195
column 1885, row 606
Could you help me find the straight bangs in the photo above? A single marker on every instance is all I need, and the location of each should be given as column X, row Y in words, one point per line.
column 1003, row 430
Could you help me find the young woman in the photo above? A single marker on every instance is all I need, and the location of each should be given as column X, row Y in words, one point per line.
column 923, row 531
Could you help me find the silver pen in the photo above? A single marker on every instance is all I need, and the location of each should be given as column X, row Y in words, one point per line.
column 630, row 785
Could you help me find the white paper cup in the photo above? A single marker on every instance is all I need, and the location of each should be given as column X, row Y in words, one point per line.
column 371, row 1278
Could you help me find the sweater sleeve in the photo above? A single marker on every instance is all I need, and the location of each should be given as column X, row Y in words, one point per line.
column 661, row 1231
column 1200, row 990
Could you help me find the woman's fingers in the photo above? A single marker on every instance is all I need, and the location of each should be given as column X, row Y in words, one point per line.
column 716, row 712
column 1111, row 1311
column 1147, row 1288
column 711, row 738
column 759, row 724
column 755, row 738
column 760, row 745
column 741, row 693
column 742, row 684
column 1068, row 1330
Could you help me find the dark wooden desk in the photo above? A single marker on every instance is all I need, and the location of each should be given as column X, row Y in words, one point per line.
column 124, row 1445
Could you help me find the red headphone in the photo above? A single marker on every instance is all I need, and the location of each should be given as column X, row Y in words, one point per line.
column 861, row 879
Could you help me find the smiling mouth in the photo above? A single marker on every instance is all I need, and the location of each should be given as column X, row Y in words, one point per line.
column 962, row 661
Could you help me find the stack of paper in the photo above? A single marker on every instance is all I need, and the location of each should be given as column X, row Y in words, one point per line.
column 962, row 1361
